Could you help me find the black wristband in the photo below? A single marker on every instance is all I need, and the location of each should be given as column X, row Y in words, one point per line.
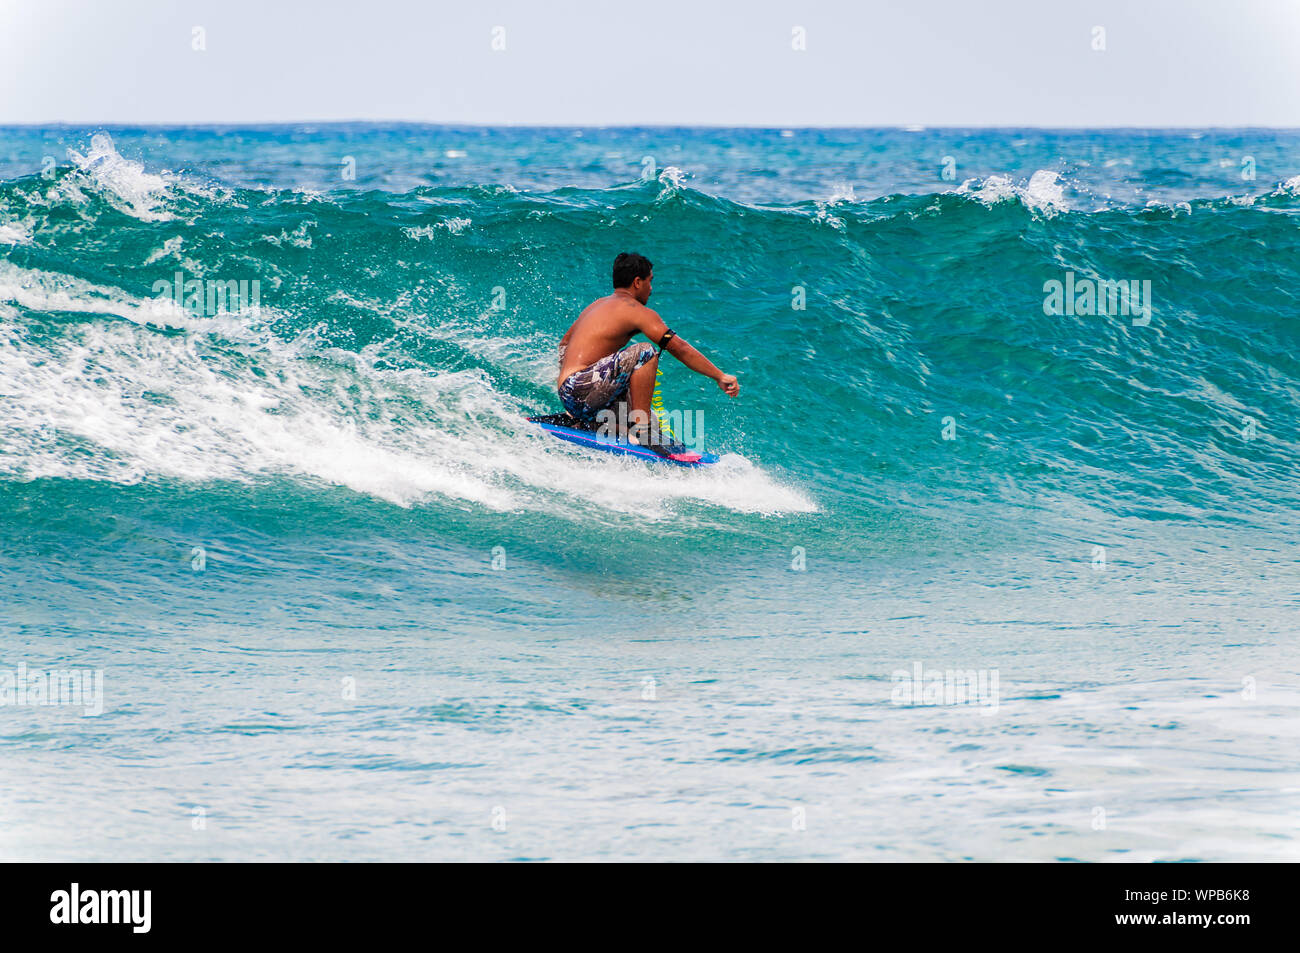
column 668, row 336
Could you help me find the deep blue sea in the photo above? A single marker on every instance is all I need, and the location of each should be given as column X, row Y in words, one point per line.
column 988, row 570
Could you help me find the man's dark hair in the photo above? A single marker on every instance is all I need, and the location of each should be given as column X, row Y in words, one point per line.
column 628, row 267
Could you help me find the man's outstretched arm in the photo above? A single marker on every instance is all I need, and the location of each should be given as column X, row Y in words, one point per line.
column 700, row 364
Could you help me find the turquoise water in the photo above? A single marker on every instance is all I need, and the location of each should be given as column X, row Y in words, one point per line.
column 347, row 605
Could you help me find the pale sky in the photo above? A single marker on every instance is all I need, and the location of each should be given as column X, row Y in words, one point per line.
column 648, row 62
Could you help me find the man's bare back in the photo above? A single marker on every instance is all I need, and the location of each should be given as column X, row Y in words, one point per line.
column 603, row 327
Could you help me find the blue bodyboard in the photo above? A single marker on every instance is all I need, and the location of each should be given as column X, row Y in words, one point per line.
column 585, row 435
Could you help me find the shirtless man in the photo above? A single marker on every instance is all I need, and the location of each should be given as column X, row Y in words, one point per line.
column 597, row 371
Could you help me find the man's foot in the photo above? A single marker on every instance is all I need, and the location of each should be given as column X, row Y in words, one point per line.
column 642, row 437
column 669, row 451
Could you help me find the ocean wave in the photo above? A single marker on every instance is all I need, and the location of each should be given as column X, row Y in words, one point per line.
column 399, row 366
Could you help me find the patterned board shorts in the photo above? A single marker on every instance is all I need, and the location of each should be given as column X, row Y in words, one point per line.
column 586, row 392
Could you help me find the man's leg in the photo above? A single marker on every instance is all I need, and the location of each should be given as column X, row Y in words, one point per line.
column 643, row 425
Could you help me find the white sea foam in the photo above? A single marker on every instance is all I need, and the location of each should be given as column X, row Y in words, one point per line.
column 14, row 233
column 824, row 216
column 132, row 190
column 454, row 226
column 170, row 249
column 298, row 238
column 43, row 291
column 673, row 181
column 1044, row 192
column 841, row 192
column 1290, row 187
column 155, row 406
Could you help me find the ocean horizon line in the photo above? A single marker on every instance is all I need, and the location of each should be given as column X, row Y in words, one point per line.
column 776, row 127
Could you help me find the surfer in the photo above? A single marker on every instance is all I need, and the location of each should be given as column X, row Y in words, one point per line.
column 599, row 369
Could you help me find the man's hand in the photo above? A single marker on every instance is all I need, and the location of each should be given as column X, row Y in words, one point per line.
column 730, row 386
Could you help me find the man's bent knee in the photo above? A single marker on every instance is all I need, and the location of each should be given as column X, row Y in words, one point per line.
column 639, row 355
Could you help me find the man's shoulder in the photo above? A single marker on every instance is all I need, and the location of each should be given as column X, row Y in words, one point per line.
column 620, row 307
column 609, row 303
column 636, row 308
